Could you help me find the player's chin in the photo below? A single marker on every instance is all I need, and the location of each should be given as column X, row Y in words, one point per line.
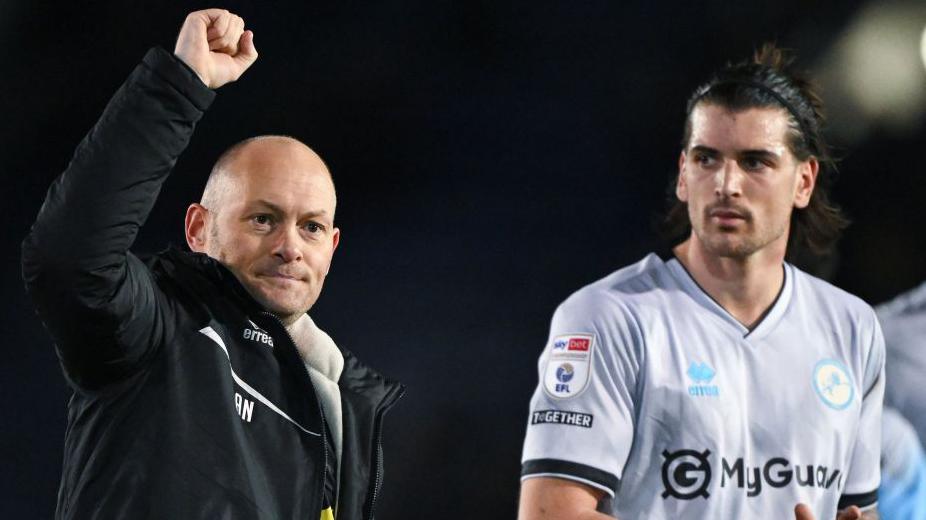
column 289, row 304
column 284, row 302
column 729, row 246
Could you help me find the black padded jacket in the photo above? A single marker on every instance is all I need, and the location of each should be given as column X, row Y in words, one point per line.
column 178, row 410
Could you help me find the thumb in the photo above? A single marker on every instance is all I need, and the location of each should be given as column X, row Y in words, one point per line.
column 850, row 513
column 802, row 512
column 247, row 53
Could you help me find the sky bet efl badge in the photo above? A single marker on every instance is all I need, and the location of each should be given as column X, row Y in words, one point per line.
column 568, row 365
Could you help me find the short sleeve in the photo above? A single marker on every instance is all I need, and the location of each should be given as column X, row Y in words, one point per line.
column 864, row 474
column 581, row 420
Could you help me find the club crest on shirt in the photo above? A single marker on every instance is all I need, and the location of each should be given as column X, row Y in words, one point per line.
column 568, row 367
column 833, row 385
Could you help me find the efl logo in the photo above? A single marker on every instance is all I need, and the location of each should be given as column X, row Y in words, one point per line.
column 568, row 365
column 580, row 344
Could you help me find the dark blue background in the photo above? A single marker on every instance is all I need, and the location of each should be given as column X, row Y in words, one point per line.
column 490, row 157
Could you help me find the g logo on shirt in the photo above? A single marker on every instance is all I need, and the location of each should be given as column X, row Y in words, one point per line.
column 686, row 474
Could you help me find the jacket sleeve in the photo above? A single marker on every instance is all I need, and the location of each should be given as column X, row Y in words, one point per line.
column 98, row 301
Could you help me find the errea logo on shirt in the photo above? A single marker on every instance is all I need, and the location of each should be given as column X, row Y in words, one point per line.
column 568, row 365
column 701, row 374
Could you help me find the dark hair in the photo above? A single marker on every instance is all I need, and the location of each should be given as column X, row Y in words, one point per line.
column 768, row 80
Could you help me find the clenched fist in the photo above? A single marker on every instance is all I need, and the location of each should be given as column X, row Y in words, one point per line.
column 215, row 45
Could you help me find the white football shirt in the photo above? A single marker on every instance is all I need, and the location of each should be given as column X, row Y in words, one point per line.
column 653, row 393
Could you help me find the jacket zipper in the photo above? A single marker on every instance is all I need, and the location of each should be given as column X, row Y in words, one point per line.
column 389, row 403
column 321, row 412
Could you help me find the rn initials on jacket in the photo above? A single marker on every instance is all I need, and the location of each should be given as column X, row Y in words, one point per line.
column 244, row 406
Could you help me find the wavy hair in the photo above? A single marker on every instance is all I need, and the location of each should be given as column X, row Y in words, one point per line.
column 769, row 80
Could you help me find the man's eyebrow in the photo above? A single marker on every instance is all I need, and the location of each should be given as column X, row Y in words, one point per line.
column 269, row 205
column 707, row 150
column 752, row 153
column 760, row 154
column 278, row 210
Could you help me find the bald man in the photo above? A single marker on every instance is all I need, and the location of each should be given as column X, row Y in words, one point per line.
column 202, row 388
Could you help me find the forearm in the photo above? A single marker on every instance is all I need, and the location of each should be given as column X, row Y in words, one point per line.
column 545, row 514
column 544, row 498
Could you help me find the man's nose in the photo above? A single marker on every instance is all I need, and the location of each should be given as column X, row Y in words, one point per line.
column 729, row 179
column 289, row 245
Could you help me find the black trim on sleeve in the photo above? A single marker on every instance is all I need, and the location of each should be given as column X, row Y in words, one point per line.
column 862, row 500
column 574, row 469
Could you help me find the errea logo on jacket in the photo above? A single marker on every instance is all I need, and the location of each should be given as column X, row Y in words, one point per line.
column 256, row 334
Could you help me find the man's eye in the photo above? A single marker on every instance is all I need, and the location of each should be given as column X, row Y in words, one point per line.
column 750, row 163
column 704, row 160
column 262, row 220
column 313, row 227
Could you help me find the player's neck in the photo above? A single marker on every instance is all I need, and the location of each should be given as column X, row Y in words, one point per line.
column 745, row 287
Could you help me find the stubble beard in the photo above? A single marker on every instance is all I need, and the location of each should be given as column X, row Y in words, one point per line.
column 736, row 244
column 218, row 250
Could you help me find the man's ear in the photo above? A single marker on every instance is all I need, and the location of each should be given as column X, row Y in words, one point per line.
column 681, row 189
column 806, row 180
column 335, row 240
column 195, row 227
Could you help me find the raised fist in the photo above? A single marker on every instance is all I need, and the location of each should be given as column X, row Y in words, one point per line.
column 215, row 45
